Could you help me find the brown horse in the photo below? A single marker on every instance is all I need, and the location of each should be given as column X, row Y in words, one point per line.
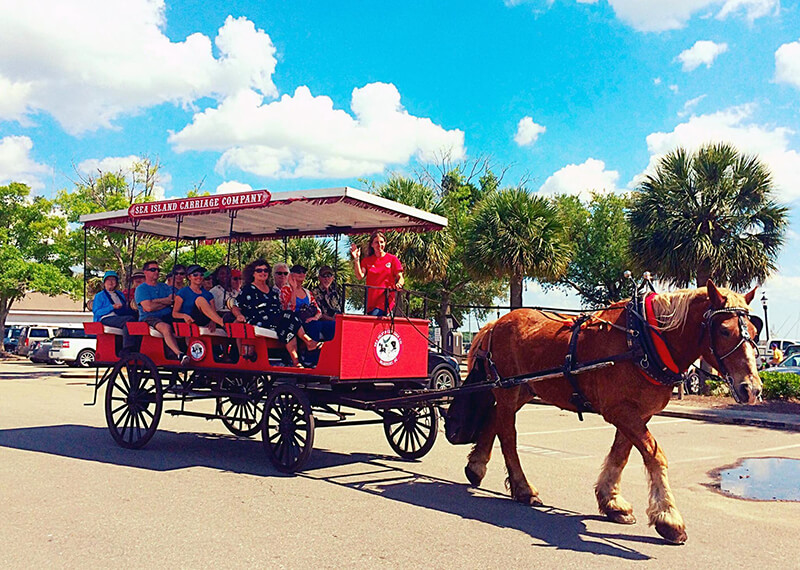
column 707, row 322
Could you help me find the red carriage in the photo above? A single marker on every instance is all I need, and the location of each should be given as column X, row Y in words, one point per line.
column 370, row 364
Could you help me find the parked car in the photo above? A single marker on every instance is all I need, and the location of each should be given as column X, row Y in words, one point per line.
column 39, row 352
column 11, row 338
column 33, row 333
column 74, row 346
column 443, row 371
column 790, row 364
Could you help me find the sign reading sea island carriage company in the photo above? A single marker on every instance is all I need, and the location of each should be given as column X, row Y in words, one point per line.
column 200, row 204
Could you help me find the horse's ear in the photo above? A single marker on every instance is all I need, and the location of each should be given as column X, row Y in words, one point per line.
column 750, row 295
column 717, row 299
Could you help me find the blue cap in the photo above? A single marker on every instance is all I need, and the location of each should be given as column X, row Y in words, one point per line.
column 110, row 274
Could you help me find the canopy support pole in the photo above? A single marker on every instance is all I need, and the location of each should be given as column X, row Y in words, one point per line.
column 85, row 234
column 195, row 251
column 179, row 219
column 129, row 277
column 285, row 248
column 232, row 215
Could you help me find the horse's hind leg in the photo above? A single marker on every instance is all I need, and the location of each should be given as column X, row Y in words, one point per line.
column 662, row 511
column 481, row 451
column 607, row 490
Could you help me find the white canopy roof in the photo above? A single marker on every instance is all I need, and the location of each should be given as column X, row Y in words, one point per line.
column 321, row 212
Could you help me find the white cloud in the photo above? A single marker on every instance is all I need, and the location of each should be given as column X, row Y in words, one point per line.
column 233, row 186
column 528, row 132
column 582, row 179
column 661, row 15
column 787, row 64
column 674, row 88
column 734, row 126
column 16, row 164
column 87, row 62
column 124, row 166
column 703, row 52
column 302, row 135
column 690, row 104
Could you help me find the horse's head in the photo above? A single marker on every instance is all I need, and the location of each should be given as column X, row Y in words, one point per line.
column 732, row 347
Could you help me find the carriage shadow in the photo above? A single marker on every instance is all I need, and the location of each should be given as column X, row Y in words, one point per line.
column 383, row 476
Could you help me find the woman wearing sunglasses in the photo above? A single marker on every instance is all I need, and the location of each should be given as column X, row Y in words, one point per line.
column 261, row 307
column 193, row 304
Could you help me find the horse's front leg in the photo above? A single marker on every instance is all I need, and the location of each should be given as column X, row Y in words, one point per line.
column 505, row 416
column 607, row 490
column 482, row 451
column 662, row 511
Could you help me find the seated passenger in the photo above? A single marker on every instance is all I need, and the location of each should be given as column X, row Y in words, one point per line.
column 110, row 308
column 280, row 276
column 329, row 301
column 261, row 307
column 225, row 294
column 193, row 304
column 296, row 298
column 130, row 294
column 155, row 307
column 177, row 277
column 208, row 280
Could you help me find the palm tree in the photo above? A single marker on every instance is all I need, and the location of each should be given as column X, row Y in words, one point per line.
column 516, row 235
column 710, row 214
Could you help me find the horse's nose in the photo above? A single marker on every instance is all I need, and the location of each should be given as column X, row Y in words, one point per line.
column 749, row 393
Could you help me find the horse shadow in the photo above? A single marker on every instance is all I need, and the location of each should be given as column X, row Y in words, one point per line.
column 383, row 476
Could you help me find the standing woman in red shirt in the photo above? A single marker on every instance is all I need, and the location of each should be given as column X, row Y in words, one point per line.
column 383, row 272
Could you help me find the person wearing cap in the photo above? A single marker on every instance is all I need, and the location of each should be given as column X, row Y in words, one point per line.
column 130, row 294
column 155, row 307
column 194, row 304
column 236, row 281
column 328, row 300
column 208, row 280
column 110, row 308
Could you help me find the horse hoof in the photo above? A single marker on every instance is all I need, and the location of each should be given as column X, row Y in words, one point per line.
column 473, row 477
column 671, row 534
column 621, row 517
column 532, row 500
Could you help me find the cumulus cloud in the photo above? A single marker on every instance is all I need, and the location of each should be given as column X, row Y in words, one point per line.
column 703, row 52
column 735, row 126
column 787, row 64
column 302, row 135
column 582, row 179
column 16, row 164
column 232, row 186
column 660, row 15
column 87, row 62
column 126, row 167
column 527, row 131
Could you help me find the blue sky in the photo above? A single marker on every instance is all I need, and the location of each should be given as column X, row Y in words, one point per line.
column 570, row 95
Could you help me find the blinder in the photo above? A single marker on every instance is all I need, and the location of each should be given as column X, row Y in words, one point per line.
column 758, row 323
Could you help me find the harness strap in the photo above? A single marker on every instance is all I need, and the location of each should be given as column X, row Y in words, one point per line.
column 578, row 399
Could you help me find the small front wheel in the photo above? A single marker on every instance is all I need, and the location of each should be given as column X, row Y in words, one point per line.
column 411, row 432
column 288, row 428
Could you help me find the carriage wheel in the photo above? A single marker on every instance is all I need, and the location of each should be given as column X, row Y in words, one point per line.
column 411, row 432
column 288, row 428
column 133, row 401
column 242, row 413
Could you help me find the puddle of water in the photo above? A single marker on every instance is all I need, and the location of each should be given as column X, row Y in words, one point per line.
column 764, row 479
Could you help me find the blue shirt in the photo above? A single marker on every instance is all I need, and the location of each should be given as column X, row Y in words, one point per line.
column 145, row 292
column 189, row 297
column 102, row 307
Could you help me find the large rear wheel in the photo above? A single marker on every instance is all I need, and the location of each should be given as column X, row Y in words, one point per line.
column 243, row 409
column 133, row 401
column 288, row 428
column 411, row 432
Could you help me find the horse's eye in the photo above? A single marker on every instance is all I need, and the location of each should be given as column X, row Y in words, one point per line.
column 724, row 332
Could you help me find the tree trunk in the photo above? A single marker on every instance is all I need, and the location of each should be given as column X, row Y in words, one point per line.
column 5, row 308
column 516, row 290
column 703, row 273
column 441, row 318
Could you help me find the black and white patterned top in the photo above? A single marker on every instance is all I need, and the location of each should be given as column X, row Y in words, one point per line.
column 259, row 308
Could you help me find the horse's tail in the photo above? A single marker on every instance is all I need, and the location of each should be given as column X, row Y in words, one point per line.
column 467, row 413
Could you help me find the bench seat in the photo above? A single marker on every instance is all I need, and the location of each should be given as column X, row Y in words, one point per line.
column 112, row 330
column 266, row 333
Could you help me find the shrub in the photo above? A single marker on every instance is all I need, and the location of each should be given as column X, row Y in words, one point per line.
column 780, row 385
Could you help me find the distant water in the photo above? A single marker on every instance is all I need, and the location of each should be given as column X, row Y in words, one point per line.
column 764, row 479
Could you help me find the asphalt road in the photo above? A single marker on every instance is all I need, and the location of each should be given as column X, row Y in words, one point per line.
column 196, row 497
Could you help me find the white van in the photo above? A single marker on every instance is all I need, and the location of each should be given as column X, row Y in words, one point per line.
column 73, row 346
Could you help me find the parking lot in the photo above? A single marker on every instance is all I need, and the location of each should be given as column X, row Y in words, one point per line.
column 69, row 497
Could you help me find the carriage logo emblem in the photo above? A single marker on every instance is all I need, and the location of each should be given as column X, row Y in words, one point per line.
column 387, row 348
column 197, row 350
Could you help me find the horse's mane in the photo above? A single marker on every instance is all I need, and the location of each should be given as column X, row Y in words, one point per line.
column 672, row 308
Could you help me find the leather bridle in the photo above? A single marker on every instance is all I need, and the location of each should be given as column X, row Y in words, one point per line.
column 744, row 317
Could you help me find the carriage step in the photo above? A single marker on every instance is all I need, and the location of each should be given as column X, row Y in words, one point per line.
column 207, row 416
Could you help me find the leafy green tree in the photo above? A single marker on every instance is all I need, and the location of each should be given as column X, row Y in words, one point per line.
column 598, row 234
column 516, row 235
column 31, row 249
column 710, row 214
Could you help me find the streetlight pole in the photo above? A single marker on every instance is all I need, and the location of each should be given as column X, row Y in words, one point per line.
column 766, row 321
